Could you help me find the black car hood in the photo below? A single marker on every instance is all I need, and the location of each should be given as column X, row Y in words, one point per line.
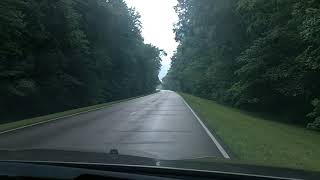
column 40, row 155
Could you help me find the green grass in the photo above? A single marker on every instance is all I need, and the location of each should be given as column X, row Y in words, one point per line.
column 259, row 141
column 25, row 122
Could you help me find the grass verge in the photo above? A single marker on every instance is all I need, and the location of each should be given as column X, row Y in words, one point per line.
column 259, row 141
column 30, row 121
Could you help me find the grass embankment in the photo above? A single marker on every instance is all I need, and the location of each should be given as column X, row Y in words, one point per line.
column 259, row 141
column 54, row 116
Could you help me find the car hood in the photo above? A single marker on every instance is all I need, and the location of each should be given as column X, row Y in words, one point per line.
column 41, row 155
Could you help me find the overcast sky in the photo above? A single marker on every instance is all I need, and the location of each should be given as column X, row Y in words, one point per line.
column 158, row 17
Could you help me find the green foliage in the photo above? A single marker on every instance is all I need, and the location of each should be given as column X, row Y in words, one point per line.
column 315, row 125
column 259, row 55
column 57, row 55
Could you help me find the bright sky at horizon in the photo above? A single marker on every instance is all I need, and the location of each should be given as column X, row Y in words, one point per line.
column 158, row 18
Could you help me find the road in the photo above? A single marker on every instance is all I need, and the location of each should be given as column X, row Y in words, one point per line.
column 159, row 126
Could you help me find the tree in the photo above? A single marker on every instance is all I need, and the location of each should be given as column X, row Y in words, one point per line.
column 57, row 55
column 258, row 55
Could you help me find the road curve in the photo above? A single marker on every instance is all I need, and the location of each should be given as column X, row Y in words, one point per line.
column 159, row 126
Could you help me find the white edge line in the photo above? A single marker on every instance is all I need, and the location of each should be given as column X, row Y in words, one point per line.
column 133, row 113
column 221, row 149
column 70, row 115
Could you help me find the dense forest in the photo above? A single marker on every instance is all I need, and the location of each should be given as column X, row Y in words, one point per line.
column 258, row 55
column 62, row 54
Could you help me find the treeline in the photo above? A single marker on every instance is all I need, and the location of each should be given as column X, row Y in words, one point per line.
column 258, row 55
column 62, row 54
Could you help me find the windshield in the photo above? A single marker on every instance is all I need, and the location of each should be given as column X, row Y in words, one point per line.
column 212, row 81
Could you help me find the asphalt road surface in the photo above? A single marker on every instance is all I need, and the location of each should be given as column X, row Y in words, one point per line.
column 159, row 126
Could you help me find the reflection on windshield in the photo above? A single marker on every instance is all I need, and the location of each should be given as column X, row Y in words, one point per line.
column 82, row 78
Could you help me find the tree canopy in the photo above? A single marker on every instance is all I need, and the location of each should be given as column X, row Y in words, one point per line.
column 258, row 55
column 63, row 54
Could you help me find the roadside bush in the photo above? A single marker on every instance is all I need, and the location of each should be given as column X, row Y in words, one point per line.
column 315, row 125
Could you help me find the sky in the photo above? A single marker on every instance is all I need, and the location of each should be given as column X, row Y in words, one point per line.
column 158, row 18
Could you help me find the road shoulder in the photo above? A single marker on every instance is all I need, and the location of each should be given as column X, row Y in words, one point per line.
column 13, row 126
column 217, row 141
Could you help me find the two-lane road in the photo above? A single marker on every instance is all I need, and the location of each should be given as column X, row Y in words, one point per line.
column 159, row 126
